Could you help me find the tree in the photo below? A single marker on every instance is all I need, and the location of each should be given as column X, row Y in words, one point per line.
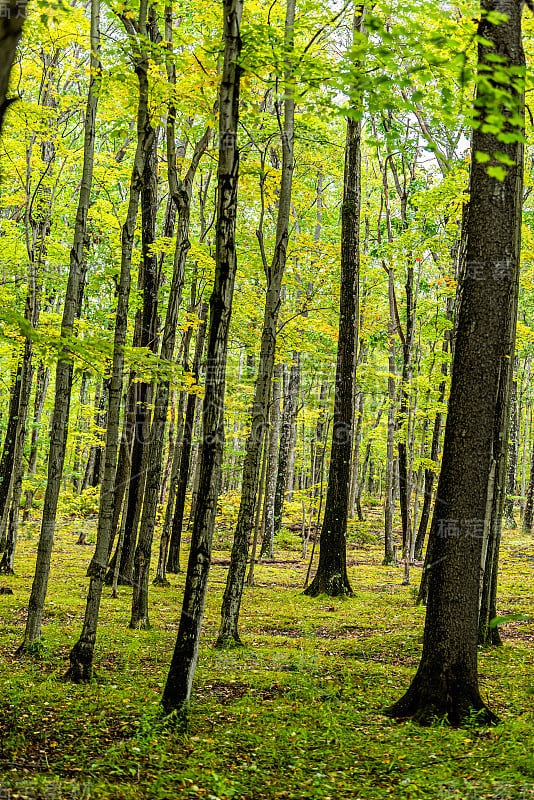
column 185, row 656
column 13, row 13
column 446, row 682
column 331, row 576
column 64, row 369
column 260, row 410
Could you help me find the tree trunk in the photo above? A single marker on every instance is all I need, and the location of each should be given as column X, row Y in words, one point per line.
column 173, row 563
column 389, row 504
column 64, row 369
column 446, row 683
column 11, row 23
column 267, row 545
column 260, row 411
column 512, row 460
column 81, row 655
column 290, row 402
column 331, row 577
column 182, row 670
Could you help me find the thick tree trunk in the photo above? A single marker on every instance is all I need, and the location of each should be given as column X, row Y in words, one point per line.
column 446, row 683
column 182, row 670
column 331, row 577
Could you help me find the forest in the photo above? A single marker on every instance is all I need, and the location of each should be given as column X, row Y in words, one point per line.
column 266, row 399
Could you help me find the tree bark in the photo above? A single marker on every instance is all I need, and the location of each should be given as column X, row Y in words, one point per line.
column 260, row 411
column 177, row 690
column 81, row 655
column 331, row 577
column 446, row 682
column 64, row 369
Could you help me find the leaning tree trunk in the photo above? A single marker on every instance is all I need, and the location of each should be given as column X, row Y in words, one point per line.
column 64, row 369
column 182, row 670
column 81, row 655
column 331, row 577
column 260, row 410
column 446, row 682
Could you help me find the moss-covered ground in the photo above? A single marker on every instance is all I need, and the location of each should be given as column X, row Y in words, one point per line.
column 293, row 714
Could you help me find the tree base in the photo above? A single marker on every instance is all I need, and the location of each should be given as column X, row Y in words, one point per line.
column 162, row 582
column 81, row 665
column 142, row 624
column 228, row 641
column 5, row 570
column 33, row 649
column 331, row 585
column 456, row 705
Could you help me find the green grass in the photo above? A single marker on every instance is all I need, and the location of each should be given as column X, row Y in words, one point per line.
column 293, row 714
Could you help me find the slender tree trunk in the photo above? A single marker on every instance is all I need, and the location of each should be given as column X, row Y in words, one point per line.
column 290, row 402
column 389, row 505
column 81, row 655
column 173, row 563
column 260, row 410
column 331, row 577
column 177, row 690
column 80, row 424
column 267, row 545
column 512, row 460
column 64, row 369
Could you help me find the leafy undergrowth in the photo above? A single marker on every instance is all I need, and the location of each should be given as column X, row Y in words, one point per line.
column 293, row 714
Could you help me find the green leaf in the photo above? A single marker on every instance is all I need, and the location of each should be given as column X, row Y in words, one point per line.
column 497, row 172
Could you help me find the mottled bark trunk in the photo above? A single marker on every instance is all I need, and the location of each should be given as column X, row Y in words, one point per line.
column 389, row 504
column 512, row 461
column 260, row 410
column 81, row 655
column 182, row 670
column 173, row 563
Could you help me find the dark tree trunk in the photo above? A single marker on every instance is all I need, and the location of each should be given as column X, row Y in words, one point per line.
column 267, row 545
column 331, row 577
column 10, row 32
column 290, row 404
column 446, row 683
column 182, row 670
column 173, row 563
column 260, row 411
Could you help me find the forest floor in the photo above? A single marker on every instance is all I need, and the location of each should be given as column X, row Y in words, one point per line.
column 293, row 714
